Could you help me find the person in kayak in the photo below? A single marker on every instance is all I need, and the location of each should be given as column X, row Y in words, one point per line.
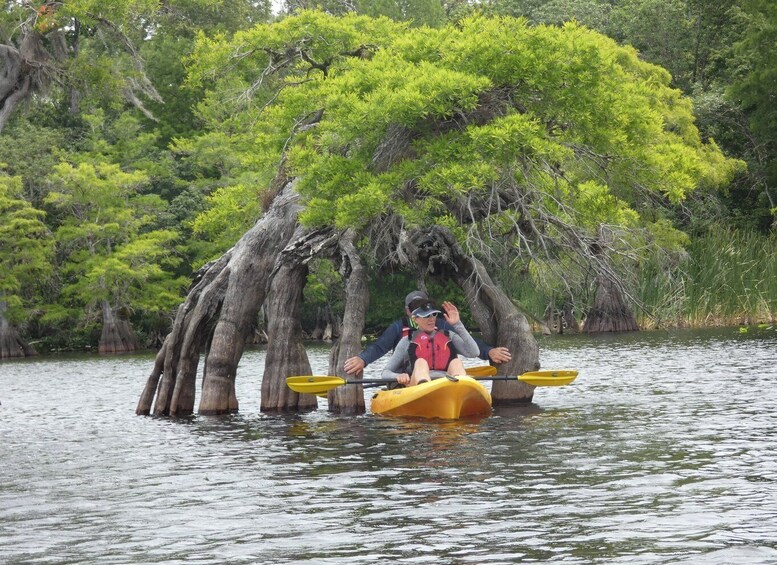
column 429, row 352
column 398, row 329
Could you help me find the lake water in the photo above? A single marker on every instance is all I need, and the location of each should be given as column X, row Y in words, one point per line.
column 662, row 451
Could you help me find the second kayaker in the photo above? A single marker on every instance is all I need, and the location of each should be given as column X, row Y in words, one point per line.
column 427, row 352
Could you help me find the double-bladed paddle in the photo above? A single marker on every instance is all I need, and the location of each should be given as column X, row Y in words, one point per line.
column 321, row 384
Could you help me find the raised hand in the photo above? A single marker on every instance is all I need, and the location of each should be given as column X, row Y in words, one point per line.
column 451, row 313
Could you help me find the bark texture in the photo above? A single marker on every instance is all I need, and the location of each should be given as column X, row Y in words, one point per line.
column 11, row 343
column 117, row 335
column 218, row 316
column 21, row 71
column 500, row 322
column 349, row 399
column 610, row 312
column 286, row 355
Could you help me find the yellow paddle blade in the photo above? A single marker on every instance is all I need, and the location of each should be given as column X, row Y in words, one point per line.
column 313, row 385
column 548, row 378
column 483, row 371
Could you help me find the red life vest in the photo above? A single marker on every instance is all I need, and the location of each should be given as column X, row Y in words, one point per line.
column 437, row 350
column 406, row 328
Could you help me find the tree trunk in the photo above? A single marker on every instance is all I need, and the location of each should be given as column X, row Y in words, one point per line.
column 11, row 343
column 549, row 320
column 569, row 323
column 500, row 322
column 286, row 355
column 117, row 335
column 610, row 313
column 217, row 317
column 22, row 71
column 318, row 333
column 350, row 399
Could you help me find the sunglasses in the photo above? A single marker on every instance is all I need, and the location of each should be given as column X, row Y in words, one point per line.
column 432, row 315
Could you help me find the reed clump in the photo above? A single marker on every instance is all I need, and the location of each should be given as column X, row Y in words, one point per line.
column 729, row 277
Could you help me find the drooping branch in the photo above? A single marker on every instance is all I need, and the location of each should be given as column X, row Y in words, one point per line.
column 525, row 221
column 42, row 57
column 140, row 83
column 610, row 312
column 22, row 71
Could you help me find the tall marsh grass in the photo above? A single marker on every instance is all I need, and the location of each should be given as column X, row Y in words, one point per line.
column 728, row 278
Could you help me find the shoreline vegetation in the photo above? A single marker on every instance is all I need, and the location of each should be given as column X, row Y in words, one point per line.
column 550, row 169
column 727, row 280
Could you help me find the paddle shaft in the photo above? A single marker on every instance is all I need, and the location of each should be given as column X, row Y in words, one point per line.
column 477, row 372
column 369, row 383
column 321, row 384
column 379, row 382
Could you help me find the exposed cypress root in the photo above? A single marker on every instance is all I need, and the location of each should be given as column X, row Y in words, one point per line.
column 286, row 355
column 610, row 312
column 218, row 316
column 350, row 399
column 147, row 397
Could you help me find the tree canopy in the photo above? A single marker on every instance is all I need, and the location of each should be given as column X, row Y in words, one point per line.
column 26, row 250
column 526, row 130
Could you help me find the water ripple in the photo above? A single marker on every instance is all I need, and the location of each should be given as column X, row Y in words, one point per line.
column 661, row 452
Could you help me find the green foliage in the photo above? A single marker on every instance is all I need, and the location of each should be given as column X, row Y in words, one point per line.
column 26, row 249
column 30, row 152
column 417, row 12
column 585, row 129
column 594, row 135
column 725, row 277
column 662, row 31
column 107, row 256
column 595, row 14
column 754, row 90
column 576, row 89
column 757, row 84
column 166, row 51
column 231, row 209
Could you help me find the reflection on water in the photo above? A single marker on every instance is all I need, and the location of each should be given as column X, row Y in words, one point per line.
column 662, row 451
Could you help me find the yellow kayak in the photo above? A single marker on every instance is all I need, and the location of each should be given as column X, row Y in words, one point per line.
column 440, row 398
